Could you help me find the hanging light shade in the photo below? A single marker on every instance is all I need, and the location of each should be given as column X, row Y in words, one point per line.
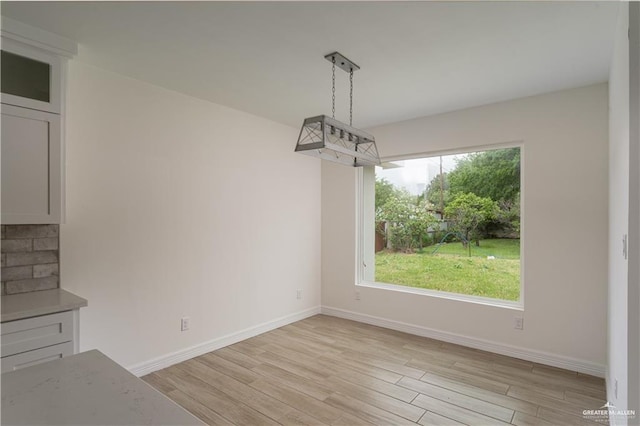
column 327, row 138
column 330, row 139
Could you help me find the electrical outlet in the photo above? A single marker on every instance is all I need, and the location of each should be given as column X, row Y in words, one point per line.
column 184, row 323
column 518, row 323
column 299, row 294
column 357, row 295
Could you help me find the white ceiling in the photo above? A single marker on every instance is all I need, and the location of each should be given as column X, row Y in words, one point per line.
column 266, row 58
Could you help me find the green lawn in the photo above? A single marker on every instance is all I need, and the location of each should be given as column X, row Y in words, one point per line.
column 451, row 269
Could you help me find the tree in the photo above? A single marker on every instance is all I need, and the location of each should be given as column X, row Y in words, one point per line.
column 437, row 192
column 384, row 191
column 468, row 213
column 408, row 220
column 491, row 174
column 509, row 216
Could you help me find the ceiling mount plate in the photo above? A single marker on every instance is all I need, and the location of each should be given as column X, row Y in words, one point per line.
column 342, row 62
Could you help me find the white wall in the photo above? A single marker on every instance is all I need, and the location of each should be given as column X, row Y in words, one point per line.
column 180, row 207
column 618, row 211
column 564, row 227
column 634, row 211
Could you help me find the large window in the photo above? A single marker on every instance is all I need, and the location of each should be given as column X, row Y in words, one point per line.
column 446, row 223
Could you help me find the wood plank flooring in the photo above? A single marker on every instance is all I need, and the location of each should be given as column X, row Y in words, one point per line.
column 329, row 371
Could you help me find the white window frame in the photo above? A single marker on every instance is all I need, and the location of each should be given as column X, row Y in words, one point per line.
column 364, row 232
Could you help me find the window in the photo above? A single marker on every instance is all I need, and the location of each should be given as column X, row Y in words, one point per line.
column 444, row 223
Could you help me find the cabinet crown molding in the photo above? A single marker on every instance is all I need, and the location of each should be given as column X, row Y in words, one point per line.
column 39, row 38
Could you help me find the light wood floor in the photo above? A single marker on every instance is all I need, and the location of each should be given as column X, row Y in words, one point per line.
column 326, row 370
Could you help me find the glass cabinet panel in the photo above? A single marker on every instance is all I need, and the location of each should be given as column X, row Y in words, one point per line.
column 25, row 77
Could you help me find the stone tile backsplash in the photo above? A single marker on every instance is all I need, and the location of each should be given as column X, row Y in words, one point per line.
column 29, row 256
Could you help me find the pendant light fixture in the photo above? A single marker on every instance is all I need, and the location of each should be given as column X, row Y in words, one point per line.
column 327, row 138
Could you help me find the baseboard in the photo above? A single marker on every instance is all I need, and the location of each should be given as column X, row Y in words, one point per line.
column 168, row 360
column 545, row 358
column 540, row 357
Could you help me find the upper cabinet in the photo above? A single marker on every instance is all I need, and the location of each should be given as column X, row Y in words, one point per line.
column 30, row 78
column 31, row 166
column 32, row 93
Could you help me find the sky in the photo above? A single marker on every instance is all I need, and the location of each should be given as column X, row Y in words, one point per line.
column 414, row 175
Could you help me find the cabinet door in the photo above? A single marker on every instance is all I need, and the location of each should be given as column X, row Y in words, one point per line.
column 30, row 77
column 31, row 166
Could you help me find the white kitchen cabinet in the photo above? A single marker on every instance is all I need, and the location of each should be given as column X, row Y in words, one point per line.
column 33, row 110
column 38, row 327
column 36, row 356
column 35, row 340
column 31, row 166
column 35, row 333
column 31, row 77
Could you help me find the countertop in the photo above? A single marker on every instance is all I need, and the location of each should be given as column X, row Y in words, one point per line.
column 85, row 389
column 25, row 305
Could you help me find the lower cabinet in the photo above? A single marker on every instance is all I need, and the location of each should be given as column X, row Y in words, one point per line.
column 37, row 356
column 39, row 339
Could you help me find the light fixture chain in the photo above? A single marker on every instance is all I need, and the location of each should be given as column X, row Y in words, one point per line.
column 333, row 87
column 326, row 137
column 351, row 97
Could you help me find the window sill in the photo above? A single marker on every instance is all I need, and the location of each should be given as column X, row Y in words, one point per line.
column 507, row 304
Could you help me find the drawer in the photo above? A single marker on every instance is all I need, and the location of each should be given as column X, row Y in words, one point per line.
column 37, row 332
column 38, row 356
